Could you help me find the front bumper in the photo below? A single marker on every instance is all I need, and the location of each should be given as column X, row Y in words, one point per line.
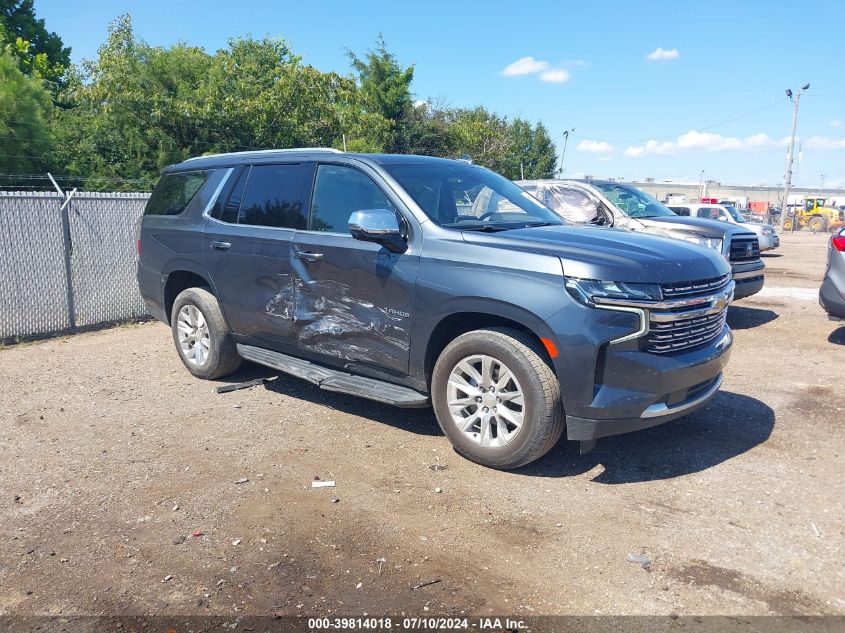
column 748, row 277
column 768, row 242
column 611, row 388
column 658, row 389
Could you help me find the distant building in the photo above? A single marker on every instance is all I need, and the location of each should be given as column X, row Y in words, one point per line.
column 741, row 195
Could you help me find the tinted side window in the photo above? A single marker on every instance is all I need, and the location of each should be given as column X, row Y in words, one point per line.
column 681, row 210
column 174, row 191
column 338, row 192
column 275, row 196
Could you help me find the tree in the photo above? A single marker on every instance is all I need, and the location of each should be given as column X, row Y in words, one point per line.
column 24, row 111
column 27, row 38
column 386, row 88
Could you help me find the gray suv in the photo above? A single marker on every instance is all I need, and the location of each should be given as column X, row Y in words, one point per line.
column 414, row 280
column 610, row 203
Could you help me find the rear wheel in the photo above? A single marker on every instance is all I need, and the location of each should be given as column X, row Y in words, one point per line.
column 496, row 398
column 201, row 335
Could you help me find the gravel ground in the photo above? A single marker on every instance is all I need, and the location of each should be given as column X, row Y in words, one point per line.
column 112, row 455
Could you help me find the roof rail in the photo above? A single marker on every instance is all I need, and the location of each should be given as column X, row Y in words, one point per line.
column 269, row 151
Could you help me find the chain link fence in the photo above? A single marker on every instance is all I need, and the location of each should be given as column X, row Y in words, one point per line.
column 67, row 262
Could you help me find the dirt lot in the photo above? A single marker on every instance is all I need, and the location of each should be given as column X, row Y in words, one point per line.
column 112, row 454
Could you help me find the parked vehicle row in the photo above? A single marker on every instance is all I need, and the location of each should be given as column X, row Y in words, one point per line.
column 419, row 281
column 766, row 234
column 614, row 204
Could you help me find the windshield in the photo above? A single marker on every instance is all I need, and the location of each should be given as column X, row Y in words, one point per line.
column 632, row 201
column 464, row 196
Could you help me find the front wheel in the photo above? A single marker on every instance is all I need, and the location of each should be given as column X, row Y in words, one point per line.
column 496, row 398
column 817, row 224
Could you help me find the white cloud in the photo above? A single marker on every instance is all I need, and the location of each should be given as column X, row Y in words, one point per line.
column 835, row 123
column 420, row 103
column 525, row 66
column 555, row 76
column 663, row 54
column 703, row 142
column 823, row 142
column 595, row 147
column 545, row 71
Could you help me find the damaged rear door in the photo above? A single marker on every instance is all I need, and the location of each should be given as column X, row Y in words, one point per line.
column 352, row 299
column 249, row 246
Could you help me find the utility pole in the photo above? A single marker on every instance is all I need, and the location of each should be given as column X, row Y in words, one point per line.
column 787, row 179
column 563, row 154
column 823, row 177
column 700, row 180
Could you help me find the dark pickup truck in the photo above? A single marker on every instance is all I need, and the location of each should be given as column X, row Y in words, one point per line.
column 413, row 281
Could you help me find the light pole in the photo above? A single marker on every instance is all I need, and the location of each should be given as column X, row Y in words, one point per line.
column 823, row 177
column 787, row 179
column 700, row 180
column 563, row 153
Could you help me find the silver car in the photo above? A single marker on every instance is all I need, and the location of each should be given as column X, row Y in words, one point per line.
column 766, row 234
column 832, row 292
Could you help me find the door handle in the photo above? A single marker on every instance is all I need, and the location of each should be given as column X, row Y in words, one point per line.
column 308, row 256
column 221, row 246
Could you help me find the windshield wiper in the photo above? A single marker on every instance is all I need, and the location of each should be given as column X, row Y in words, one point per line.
column 541, row 224
column 487, row 228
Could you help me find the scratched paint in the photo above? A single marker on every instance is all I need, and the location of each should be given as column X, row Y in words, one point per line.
column 281, row 304
column 332, row 322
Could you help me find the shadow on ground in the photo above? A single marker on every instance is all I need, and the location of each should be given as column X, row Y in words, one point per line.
column 742, row 318
column 729, row 426
column 420, row 421
column 837, row 336
column 767, row 255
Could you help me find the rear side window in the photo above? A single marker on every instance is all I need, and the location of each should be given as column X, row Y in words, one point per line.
column 340, row 191
column 681, row 210
column 275, row 195
column 174, row 191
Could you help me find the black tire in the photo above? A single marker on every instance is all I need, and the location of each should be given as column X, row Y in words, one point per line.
column 543, row 416
column 818, row 224
column 222, row 357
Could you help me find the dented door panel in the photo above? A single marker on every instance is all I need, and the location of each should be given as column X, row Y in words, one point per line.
column 354, row 302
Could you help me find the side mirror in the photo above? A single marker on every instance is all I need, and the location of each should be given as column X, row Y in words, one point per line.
column 379, row 226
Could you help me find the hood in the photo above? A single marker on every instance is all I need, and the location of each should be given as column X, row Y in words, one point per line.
column 611, row 254
column 700, row 226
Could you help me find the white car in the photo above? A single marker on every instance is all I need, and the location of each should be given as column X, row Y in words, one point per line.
column 766, row 234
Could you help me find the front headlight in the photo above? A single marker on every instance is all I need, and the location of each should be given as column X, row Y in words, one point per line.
column 767, row 231
column 589, row 291
column 710, row 242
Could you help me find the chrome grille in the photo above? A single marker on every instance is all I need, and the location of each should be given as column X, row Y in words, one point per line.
column 694, row 288
column 744, row 249
column 684, row 334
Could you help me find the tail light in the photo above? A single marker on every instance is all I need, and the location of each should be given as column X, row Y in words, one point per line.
column 138, row 243
column 838, row 242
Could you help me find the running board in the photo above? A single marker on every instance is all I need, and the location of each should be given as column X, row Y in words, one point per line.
column 336, row 380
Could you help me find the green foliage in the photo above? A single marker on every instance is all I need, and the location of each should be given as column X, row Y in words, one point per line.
column 134, row 109
column 24, row 112
column 385, row 85
column 38, row 51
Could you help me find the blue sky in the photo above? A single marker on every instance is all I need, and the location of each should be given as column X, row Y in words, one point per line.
column 570, row 64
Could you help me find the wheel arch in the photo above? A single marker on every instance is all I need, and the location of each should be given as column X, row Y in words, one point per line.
column 477, row 316
column 181, row 279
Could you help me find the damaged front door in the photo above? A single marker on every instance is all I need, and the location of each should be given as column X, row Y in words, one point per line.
column 352, row 299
